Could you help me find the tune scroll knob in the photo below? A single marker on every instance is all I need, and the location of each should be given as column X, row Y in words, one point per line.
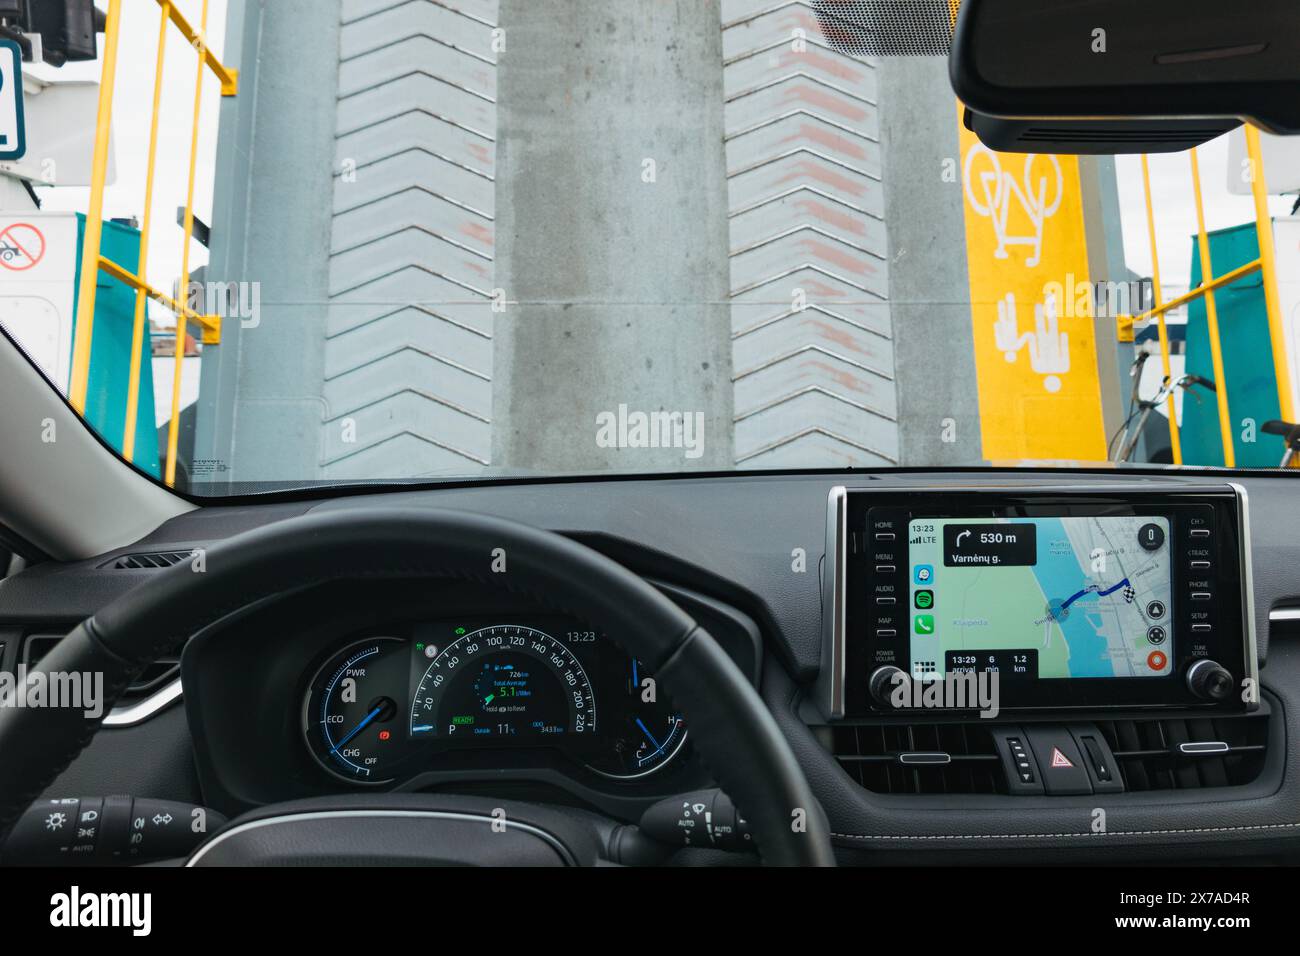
column 1209, row 680
column 881, row 683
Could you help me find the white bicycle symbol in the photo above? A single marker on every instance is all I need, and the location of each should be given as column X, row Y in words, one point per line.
column 990, row 191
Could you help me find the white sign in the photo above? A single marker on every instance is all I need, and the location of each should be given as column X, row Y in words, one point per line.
column 60, row 119
column 1281, row 163
column 13, row 132
column 38, row 263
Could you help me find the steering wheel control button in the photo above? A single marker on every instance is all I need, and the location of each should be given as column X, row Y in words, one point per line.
column 107, row 830
column 45, row 833
column 1057, row 753
column 706, row 818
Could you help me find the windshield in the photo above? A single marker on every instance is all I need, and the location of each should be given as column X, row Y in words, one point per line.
column 448, row 239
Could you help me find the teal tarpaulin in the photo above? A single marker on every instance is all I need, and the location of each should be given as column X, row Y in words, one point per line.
column 1247, row 360
column 110, row 350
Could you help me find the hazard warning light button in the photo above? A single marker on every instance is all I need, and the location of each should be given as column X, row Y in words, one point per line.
column 1058, row 756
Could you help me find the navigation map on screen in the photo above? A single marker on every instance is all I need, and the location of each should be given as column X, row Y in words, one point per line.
column 1040, row 597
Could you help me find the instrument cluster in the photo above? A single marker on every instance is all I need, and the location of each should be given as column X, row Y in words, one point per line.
column 387, row 706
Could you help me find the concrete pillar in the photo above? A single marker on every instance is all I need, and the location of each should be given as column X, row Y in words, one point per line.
column 611, row 232
column 1105, row 239
column 260, row 408
column 929, row 290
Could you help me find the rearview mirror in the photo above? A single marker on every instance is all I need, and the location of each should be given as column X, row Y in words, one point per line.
column 1088, row 60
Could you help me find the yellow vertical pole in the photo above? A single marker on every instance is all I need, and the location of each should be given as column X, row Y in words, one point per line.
column 1212, row 321
column 1175, row 443
column 137, row 332
column 173, row 429
column 80, row 379
column 1268, row 272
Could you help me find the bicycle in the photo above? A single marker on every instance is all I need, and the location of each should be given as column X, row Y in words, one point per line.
column 1290, row 433
column 1130, row 432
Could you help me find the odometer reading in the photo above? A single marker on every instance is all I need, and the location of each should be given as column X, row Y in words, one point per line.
column 501, row 682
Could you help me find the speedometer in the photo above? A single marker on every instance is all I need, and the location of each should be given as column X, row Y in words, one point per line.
column 501, row 682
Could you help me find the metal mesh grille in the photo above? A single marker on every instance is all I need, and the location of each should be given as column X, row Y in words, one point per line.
column 887, row 27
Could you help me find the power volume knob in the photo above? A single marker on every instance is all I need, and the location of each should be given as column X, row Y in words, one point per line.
column 881, row 683
column 1210, row 681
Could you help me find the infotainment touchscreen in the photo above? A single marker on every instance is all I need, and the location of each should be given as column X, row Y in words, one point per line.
column 1081, row 597
column 1052, row 597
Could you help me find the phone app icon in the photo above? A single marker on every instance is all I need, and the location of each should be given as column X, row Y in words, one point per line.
column 924, row 624
column 924, row 599
column 923, row 573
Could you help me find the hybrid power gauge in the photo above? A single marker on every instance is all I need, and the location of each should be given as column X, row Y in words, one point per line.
column 352, row 718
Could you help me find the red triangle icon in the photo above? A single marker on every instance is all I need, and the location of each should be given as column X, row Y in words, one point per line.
column 1059, row 759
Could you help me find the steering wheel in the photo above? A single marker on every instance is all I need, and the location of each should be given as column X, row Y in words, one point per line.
column 732, row 729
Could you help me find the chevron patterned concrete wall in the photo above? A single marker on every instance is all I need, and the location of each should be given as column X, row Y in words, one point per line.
column 408, row 351
column 812, row 338
column 779, row 233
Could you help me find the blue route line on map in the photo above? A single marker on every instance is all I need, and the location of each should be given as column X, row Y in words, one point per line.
column 1091, row 589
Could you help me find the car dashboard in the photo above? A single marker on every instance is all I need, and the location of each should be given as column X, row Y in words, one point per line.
column 1118, row 743
column 451, row 687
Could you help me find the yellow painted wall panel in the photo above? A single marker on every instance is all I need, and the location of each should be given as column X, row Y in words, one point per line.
column 1035, row 344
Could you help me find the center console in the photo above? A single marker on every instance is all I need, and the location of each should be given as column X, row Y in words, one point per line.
column 1056, row 599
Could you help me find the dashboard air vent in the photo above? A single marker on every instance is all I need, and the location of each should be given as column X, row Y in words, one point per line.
column 1188, row 754
column 919, row 758
column 147, row 560
column 153, row 678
